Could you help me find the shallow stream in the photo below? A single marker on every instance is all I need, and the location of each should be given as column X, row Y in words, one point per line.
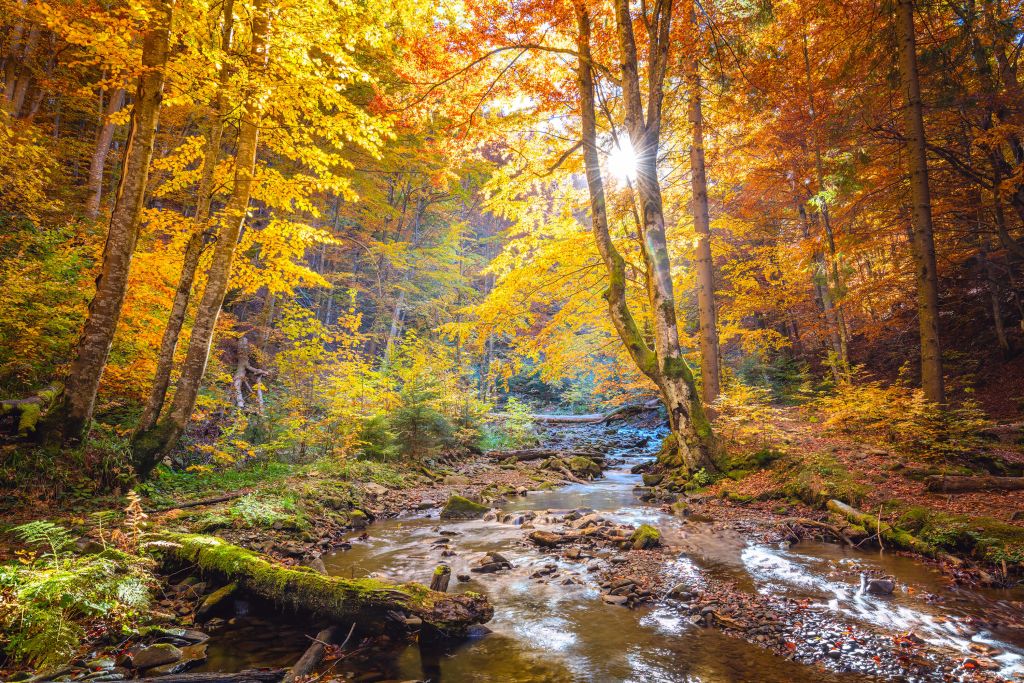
column 562, row 631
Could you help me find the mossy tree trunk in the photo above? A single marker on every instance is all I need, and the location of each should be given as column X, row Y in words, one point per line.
column 664, row 363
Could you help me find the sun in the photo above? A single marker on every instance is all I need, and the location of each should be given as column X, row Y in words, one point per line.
column 622, row 161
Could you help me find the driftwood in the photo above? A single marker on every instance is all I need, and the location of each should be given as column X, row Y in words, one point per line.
column 590, row 418
column 830, row 528
column 369, row 601
column 310, row 659
column 943, row 484
column 205, row 501
column 246, row 676
column 890, row 534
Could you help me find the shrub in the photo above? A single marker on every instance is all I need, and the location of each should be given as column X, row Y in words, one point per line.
column 54, row 600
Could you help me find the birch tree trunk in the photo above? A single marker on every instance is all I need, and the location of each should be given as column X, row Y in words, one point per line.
column 94, row 186
column 923, row 242
column 691, row 444
column 70, row 422
column 710, row 370
column 154, row 443
column 196, row 241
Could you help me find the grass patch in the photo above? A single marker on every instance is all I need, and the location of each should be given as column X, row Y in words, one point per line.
column 169, row 486
column 362, row 471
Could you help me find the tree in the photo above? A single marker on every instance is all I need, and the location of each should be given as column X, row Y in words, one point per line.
column 923, row 245
column 710, row 370
column 70, row 422
column 663, row 364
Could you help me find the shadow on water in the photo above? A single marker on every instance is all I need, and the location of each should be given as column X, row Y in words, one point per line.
column 561, row 631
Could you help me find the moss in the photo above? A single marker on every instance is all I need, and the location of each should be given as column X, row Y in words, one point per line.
column 819, row 477
column 583, row 467
column 459, row 507
column 314, row 593
column 986, row 539
column 645, row 536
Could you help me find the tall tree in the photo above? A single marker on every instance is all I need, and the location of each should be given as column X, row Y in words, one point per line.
column 923, row 243
column 97, row 165
column 710, row 370
column 152, row 444
column 200, row 227
column 70, row 422
column 663, row 364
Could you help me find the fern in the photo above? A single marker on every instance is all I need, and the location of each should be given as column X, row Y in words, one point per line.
column 47, row 535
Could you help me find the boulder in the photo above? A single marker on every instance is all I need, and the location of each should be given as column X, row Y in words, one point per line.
column 880, row 586
column 375, row 489
column 191, row 657
column 653, row 479
column 645, row 537
column 547, row 539
column 155, row 655
column 459, row 507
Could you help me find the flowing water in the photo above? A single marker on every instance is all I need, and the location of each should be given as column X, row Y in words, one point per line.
column 561, row 631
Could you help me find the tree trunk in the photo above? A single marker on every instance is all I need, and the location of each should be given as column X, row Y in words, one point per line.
column 151, row 445
column 710, row 371
column 923, row 243
column 241, row 367
column 94, row 187
column 942, row 484
column 196, row 241
column 691, row 445
column 71, row 421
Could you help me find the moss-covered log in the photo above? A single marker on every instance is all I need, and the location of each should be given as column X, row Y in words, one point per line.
column 20, row 417
column 943, row 484
column 895, row 537
column 367, row 601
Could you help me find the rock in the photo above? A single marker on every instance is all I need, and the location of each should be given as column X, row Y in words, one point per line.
column 375, row 489
column 458, row 507
column 191, row 657
column 680, row 592
column 155, row 655
column 216, row 603
column 615, row 599
column 358, row 519
column 456, row 480
column 101, row 663
column 187, row 634
column 547, row 539
column 880, row 586
column 645, row 537
column 1017, row 516
column 586, row 521
column 653, row 479
column 477, row 631
column 490, row 563
column 463, row 577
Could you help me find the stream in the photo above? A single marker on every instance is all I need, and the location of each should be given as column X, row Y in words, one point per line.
column 558, row 629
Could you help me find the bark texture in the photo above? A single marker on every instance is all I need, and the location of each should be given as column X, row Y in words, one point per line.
column 710, row 370
column 923, row 243
column 691, row 440
column 98, row 163
column 71, row 421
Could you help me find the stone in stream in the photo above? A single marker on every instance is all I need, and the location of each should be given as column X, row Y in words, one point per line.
column 191, row 657
column 490, row 563
column 155, row 655
column 615, row 599
column 880, row 586
column 645, row 537
column 459, row 507
column 216, row 603
column 547, row 539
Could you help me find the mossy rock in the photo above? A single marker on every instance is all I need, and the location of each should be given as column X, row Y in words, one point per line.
column 358, row 519
column 645, row 537
column 583, row 467
column 990, row 540
column 653, row 479
column 459, row 507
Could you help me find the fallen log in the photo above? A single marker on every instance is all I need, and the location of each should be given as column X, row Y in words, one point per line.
column 19, row 417
column 206, row 501
column 310, row 659
column 590, row 418
column 369, row 601
column 527, row 454
column 937, row 483
column 830, row 528
column 892, row 535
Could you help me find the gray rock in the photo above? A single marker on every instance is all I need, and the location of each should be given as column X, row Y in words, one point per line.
column 615, row 599
column 880, row 586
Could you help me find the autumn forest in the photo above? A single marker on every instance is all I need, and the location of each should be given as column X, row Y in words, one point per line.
column 545, row 340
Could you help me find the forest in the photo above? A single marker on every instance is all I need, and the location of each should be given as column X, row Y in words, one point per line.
column 530, row 341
